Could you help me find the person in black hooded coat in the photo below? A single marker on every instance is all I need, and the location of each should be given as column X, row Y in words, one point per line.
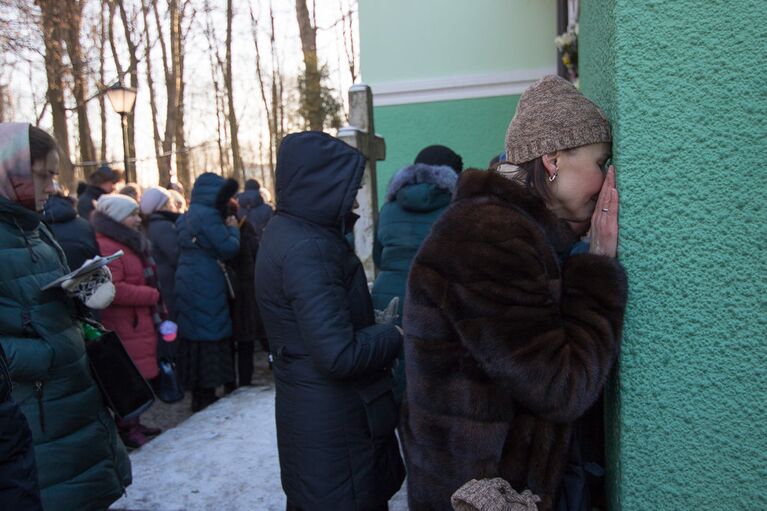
column 74, row 234
column 335, row 408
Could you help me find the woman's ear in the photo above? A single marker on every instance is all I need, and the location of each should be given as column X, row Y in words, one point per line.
column 550, row 161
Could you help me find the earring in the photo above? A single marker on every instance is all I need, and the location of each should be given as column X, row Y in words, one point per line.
column 553, row 176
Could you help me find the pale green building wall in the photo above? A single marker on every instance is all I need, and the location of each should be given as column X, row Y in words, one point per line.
column 684, row 83
column 421, row 39
column 405, row 41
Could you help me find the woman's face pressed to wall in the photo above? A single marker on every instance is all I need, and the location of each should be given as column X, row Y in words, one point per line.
column 580, row 174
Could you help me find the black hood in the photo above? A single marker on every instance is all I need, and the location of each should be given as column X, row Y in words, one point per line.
column 58, row 210
column 317, row 177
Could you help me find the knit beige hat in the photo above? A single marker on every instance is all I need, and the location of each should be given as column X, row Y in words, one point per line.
column 553, row 115
column 118, row 207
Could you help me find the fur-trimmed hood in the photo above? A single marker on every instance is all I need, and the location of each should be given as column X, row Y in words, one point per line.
column 441, row 176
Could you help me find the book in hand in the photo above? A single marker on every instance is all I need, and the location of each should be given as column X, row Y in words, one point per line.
column 87, row 267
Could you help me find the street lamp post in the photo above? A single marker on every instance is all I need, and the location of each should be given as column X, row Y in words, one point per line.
column 123, row 99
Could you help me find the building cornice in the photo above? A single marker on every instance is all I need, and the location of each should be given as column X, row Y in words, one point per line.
column 457, row 87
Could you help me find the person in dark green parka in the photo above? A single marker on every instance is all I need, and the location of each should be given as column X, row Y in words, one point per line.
column 416, row 197
column 81, row 463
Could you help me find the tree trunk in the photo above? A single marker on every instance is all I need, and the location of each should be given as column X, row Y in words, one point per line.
column 177, row 59
column 133, row 72
column 313, row 111
column 162, row 170
column 55, row 70
column 102, row 79
column 216, row 66
column 262, row 90
column 71, row 27
column 171, row 85
column 238, row 169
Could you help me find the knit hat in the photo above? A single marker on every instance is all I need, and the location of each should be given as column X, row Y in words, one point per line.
column 553, row 115
column 153, row 199
column 117, row 207
column 252, row 184
column 440, row 155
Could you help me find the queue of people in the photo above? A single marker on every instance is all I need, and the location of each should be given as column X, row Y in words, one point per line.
column 511, row 304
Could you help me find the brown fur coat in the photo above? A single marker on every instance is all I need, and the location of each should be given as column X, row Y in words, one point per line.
column 504, row 348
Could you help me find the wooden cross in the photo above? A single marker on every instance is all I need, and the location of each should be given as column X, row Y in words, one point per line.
column 361, row 134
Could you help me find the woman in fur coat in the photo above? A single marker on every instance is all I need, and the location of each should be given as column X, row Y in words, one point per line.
column 136, row 309
column 511, row 334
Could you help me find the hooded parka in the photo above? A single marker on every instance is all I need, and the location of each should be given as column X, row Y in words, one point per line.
column 202, row 296
column 335, row 407
column 418, row 194
column 81, row 462
column 505, row 346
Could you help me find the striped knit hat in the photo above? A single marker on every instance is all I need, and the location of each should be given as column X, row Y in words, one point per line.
column 553, row 115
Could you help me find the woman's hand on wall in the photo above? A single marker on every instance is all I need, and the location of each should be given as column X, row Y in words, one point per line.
column 604, row 221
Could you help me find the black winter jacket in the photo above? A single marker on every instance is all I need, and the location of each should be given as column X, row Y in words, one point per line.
column 335, row 406
column 75, row 235
column 161, row 231
column 253, row 207
column 86, row 202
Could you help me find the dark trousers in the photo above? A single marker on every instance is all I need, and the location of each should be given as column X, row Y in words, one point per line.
column 242, row 356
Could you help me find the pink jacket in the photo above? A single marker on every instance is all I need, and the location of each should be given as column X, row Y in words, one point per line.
column 130, row 314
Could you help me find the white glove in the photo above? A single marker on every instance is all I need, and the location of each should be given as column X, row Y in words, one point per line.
column 94, row 289
column 389, row 315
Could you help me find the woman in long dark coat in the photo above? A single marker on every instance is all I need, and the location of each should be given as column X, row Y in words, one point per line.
column 208, row 239
column 335, row 404
column 510, row 335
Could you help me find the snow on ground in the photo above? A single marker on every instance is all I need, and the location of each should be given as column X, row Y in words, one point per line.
column 223, row 458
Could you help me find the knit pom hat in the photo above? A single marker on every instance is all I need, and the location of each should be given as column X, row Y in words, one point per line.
column 153, row 199
column 117, row 207
column 552, row 115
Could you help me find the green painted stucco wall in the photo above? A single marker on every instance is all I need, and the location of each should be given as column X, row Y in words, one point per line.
column 473, row 128
column 426, row 39
column 685, row 85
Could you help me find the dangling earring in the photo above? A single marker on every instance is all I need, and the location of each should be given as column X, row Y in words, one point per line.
column 554, row 175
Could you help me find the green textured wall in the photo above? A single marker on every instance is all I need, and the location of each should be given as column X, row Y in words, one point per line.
column 684, row 83
column 474, row 128
column 423, row 39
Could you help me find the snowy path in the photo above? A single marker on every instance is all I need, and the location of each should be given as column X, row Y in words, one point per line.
column 223, row 458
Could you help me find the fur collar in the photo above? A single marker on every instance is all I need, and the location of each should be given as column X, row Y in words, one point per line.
column 111, row 228
column 441, row 176
column 475, row 184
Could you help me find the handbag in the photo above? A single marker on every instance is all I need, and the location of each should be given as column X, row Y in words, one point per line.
column 124, row 390
column 167, row 386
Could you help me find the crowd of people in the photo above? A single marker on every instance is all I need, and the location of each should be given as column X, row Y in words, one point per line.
column 481, row 385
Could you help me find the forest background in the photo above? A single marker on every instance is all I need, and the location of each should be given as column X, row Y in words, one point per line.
column 219, row 82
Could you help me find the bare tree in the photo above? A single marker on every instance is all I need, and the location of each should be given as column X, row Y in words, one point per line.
column 312, row 100
column 101, row 37
column 162, row 170
column 233, row 127
column 71, row 23
column 55, row 70
column 347, row 32
column 178, row 37
column 273, row 104
column 130, row 28
column 216, row 66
